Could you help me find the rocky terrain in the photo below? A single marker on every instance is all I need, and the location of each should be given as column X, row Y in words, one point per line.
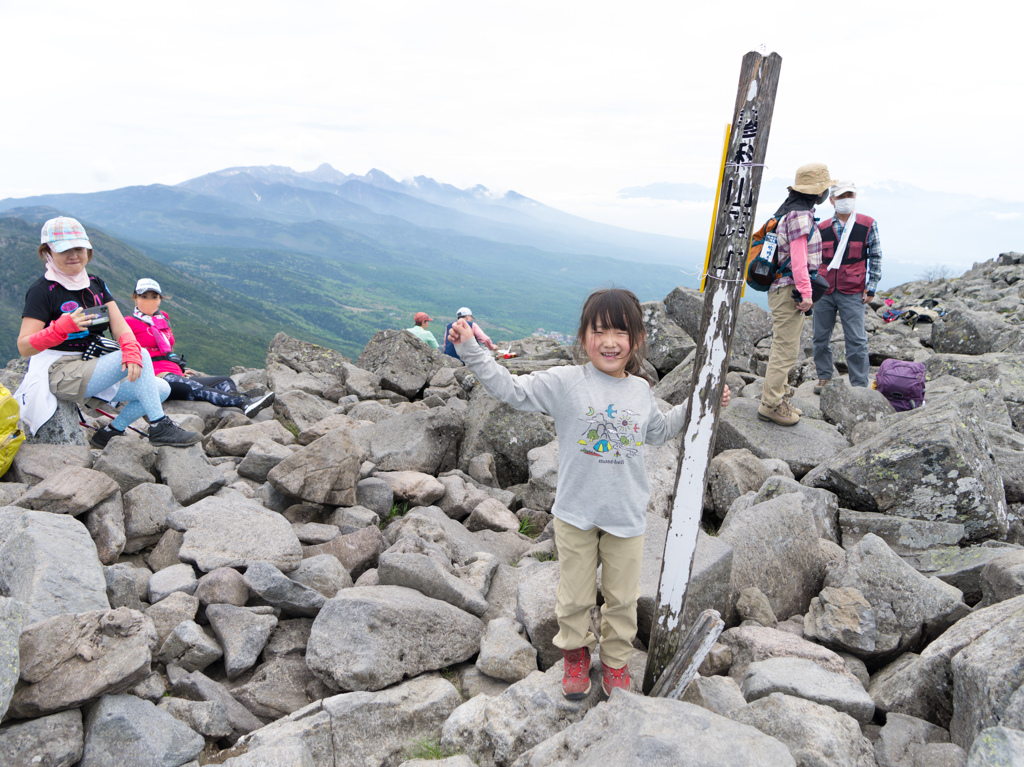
column 367, row 575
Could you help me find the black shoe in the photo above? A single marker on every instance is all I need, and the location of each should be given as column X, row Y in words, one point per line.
column 252, row 405
column 101, row 437
column 167, row 432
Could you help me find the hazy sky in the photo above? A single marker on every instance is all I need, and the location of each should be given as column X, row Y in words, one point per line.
column 565, row 102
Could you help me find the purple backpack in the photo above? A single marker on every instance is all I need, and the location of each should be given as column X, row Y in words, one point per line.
column 902, row 383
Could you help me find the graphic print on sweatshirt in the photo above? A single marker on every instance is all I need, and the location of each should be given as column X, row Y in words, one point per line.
column 611, row 435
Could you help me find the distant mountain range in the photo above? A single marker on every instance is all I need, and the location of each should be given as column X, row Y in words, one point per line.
column 332, row 257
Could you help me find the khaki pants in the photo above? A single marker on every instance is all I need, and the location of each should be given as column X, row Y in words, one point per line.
column 787, row 323
column 578, row 552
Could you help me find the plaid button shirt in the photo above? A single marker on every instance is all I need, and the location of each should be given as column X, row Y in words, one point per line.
column 793, row 226
column 874, row 249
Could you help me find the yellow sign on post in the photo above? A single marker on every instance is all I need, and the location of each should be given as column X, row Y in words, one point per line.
column 714, row 211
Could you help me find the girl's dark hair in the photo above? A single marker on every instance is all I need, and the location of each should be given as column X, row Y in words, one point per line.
column 620, row 309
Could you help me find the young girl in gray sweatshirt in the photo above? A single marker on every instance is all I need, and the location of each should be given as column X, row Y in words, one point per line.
column 604, row 414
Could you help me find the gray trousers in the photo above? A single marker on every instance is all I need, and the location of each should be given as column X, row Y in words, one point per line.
column 851, row 313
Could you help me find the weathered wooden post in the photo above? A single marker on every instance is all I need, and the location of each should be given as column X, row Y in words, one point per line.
column 737, row 201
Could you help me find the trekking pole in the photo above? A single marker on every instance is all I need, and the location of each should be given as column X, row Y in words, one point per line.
column 81, row 420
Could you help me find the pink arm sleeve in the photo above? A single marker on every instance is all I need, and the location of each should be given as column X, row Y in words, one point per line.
column 798, row 263
column 481, row 336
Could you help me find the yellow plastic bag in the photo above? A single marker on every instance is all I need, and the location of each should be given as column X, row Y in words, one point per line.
column 11, row 436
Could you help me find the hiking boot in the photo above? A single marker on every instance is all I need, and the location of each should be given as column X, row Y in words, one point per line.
column 167, row 432
column 822, row 382
column 101, row 437
column 782, row 414
column 576, row 677
column 614, row 677
column 793, row 407
column 252, row 405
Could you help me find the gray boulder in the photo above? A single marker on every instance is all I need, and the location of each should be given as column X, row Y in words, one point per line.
column 847, row 406
column 905, row 740
column 426, row 575
column 535, row 610
column 12, row 617
column 49, row 741
column 196, row 685
column 190, row 647
column 775, row 548
column 188, row 473
column 145, row 514
column 987, row 675
column 803, row 446
column 124, row 731
column 323, row 573
column 667, row 343
column 426, row 441
column 208, row 718
column 171, row 579
column 362, row 728
column 815, row 734
column 732, row 473
column 34, row 463
column 274, row 587
column 504, row 432
column 934, row 464
column 280, row 687
column 325, row 471
column 997, row 747
column 922, row 685
column 105, row 523
column 170, row 612
column 72, row 490
column 504, row 653
column 752, row 644
column 234, row 532
column 909, row 608
column 263, row 456
column 357, row 552
column 49, row 563
column 242, row 633
column 805, row 679
column 907, row 537
column 404, row 363
column 633, row 731
column 71, row 659
column 239, row 440
column 347, row 652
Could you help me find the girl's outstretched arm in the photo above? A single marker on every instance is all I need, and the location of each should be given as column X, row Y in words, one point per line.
column 666, row 426
column 540, row 391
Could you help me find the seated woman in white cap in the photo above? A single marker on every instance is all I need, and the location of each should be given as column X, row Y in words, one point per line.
column 152, row 329
column 66, row 313
column 478, row 333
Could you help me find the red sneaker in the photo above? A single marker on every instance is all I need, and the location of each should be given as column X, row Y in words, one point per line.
column 614, row 677
column 576, row 678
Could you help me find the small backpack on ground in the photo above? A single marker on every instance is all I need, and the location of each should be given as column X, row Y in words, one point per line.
column 902, row 383
column 11, row 436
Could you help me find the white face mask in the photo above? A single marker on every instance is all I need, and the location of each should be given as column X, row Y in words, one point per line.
column 845, row 206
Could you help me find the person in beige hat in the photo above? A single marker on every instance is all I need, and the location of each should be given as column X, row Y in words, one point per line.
column 789, row 297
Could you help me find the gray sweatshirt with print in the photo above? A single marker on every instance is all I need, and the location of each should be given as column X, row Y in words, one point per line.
column 602, row 423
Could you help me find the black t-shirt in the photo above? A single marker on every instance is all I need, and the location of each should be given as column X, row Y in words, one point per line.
column 47, row 300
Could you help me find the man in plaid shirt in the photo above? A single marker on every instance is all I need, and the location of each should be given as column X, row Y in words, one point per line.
column 852, row 265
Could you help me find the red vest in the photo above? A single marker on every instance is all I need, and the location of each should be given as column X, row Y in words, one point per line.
column 851, row 276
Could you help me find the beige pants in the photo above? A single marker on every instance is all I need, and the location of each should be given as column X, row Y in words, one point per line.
column 578, row 553
column 787, row 323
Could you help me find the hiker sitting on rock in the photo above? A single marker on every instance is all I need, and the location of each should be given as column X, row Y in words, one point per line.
column 152, row 329
column 422, row 320
column 66, row 313
column 604, row 414
column 465, row 314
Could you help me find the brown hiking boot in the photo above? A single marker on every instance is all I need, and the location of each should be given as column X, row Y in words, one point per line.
column 822, row 382
column 576, row 676
column 782, row 414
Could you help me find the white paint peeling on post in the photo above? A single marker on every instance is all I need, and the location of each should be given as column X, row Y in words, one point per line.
column 748, row 141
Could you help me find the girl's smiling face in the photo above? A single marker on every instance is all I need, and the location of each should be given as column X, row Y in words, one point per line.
column 608, row 349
